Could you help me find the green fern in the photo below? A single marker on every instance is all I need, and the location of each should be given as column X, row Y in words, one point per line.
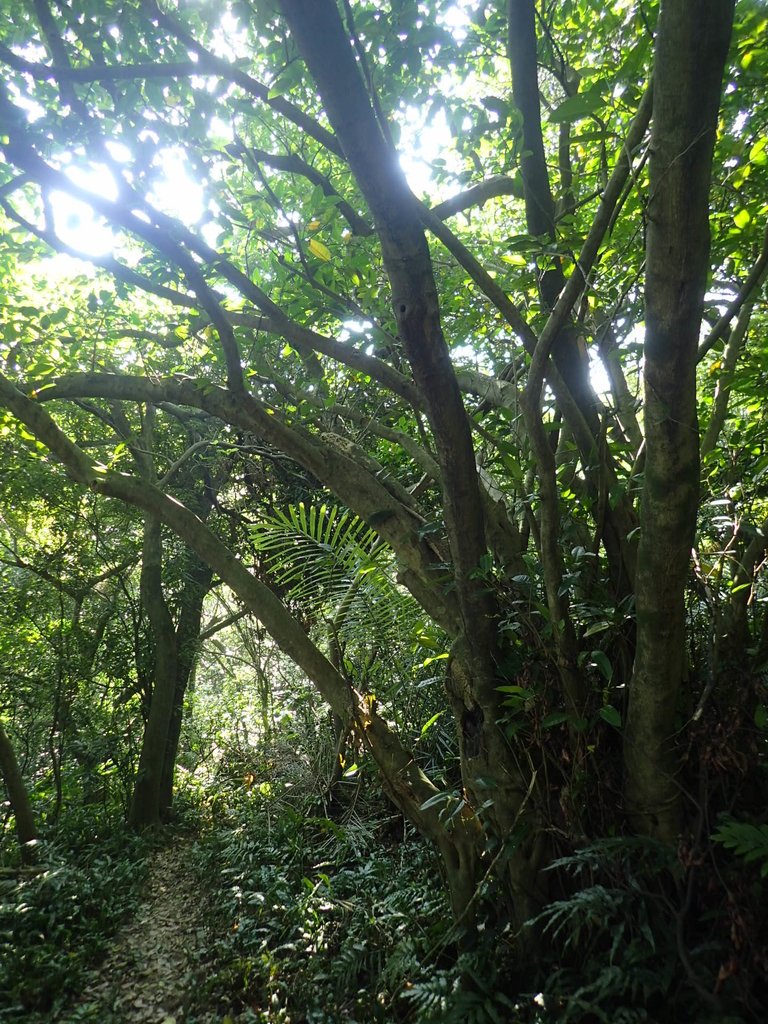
column 750, row 842
column 333, row 563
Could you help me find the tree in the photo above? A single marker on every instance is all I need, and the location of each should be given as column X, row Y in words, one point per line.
column 26, row 829
column 65, row 559
column 318, row 308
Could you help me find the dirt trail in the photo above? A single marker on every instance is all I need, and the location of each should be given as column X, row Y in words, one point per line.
column 152, row 971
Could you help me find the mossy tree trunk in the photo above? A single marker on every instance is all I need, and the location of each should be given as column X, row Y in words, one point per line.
column 691, row 47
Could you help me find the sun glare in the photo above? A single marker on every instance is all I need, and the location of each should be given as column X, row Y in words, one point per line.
column 175, row 192
column 421, row 144
column 75, row 221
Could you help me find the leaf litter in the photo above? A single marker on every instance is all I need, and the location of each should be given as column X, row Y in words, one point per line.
column 154, row 968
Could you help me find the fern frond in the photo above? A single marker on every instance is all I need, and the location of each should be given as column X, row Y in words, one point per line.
column 335, row 564
column 750, row 842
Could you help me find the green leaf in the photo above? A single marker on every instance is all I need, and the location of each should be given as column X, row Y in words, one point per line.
column 555, row 718
column 602, row 663
column 748, row 841
column 428, row 725
column 438, row 798
column 581, row 105
column 437, row 657
column 610, row 715
column 318, row 249
column 598, row 627
column 741, row 219
column 758, row 154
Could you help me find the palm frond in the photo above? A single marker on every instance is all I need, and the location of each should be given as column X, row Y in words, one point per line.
column 336, row 565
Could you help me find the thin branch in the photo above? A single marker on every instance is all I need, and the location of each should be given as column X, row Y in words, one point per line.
column 731, row 355
column 228, row 620
column 589, row 250
column 61, row 72
column 210, row 63
column 109, row 263
column 478, row 195
column 293, row 164
column 752, row 282
column 479, row 275
column 363, row 487
column 176, row 466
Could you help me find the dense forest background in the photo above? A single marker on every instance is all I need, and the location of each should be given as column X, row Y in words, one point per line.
column 383, row 504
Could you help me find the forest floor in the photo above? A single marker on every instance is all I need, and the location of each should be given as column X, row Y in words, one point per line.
column 152, row 973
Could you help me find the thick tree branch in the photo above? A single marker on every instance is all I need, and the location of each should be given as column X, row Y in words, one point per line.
column 322, row 41
column 407, row 784
column 477, row 196
column 367, row 490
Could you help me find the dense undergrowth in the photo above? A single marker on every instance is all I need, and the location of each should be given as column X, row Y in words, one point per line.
column 337, row 912
column 333, row 914
column 327, row 906
column 57, row 920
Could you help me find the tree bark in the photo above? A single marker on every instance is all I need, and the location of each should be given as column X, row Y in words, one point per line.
column 572, row 384
column 146, row 804
column 187, row 642
column 26, row 829
column 691, row 46
column 490, row 767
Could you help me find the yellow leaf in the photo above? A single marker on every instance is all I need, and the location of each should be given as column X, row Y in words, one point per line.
column 318, row 249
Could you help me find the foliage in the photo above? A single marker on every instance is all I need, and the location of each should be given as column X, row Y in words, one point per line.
column 435, row 339
column 317, row 914
column 617, row 940
column 748, row 841
column 56, row 921
column 331, row 560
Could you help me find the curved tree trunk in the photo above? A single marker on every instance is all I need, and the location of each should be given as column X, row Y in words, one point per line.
column 18, row 797
column 491, row 771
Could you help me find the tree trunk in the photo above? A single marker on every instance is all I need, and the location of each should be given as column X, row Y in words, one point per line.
column 691, row 46
column 568, row 350
column 198, row 578
column 18, row 797
column 491, row 771
column 146, row 804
